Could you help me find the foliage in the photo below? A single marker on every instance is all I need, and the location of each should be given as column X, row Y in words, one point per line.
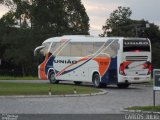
column 120, row 24
column 156, row 55
column 69, row 17
column 29, row 22
column 118, row 18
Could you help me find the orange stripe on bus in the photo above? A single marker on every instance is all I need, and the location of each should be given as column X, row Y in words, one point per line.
column 103, row 64
column 42, row 69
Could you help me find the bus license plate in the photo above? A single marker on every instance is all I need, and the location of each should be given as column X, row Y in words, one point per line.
column 136, row 78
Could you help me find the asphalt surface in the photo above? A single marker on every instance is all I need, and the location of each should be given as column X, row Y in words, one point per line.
column 112, row 102
column 63, row 117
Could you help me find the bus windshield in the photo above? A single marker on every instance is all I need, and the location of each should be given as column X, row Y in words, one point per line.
column 41, row 58
column 41, row 51
column 136, row 45
column 39, row 54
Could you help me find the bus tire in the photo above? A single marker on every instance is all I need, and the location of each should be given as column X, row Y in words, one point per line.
column 96, row 80
column 52, row 78
column 103, row 85
column 77, row 82
column 123, row 85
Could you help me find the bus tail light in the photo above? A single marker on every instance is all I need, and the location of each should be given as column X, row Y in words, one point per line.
column 121, row 69
column 149, row 69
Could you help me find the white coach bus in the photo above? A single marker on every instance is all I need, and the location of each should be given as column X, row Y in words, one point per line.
column 100, row 60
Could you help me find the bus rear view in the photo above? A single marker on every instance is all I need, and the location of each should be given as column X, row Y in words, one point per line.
column 135, row 62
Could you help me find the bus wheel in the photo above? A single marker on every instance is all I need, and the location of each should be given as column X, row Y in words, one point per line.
column 96, row 80
column 103, row 85
column 52, row 78
column 77, row 82
column 123, row 85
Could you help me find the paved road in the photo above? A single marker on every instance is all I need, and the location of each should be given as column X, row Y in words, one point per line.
column 115, row 100
column 64, row 117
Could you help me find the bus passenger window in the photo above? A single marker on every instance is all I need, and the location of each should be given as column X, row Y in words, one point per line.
column 87, row 48
column 112, row 50
column 97, row 46
column 76, row 49
column 66, row 51
column 54, row 47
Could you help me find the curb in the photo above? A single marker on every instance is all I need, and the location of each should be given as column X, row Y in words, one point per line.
column 143, row 85
column 51, row 96
column 140, row 111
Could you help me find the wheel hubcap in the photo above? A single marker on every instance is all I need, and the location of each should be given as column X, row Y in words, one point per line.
column 52, row 77
column 96, row 80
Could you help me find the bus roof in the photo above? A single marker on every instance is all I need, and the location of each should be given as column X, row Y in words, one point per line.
column 86, row 38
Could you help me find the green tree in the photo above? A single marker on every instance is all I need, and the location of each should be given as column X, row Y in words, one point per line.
column 29, row 22
column 60, row 17
column 115, row 24
column 156, row 55
column 120, row 24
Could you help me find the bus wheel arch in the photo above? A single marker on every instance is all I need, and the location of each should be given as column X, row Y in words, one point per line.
column 51, row 77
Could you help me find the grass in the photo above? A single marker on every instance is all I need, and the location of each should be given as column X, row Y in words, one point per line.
column 42, row 89
column 18, row 78
column 145, row 108
column 150, row 82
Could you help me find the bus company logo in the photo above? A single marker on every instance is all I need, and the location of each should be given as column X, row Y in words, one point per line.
column 136, row 43
column 66, row 61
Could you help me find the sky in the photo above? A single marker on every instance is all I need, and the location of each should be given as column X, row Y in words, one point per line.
column 3, row 10
column 99, row 10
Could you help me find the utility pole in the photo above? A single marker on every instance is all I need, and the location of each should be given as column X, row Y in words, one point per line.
column 139, row 27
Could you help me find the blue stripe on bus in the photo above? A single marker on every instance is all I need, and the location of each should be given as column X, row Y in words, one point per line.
column 110, row 76
column 49, row 64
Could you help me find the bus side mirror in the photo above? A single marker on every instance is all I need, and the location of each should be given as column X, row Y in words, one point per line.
column 37, row 48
